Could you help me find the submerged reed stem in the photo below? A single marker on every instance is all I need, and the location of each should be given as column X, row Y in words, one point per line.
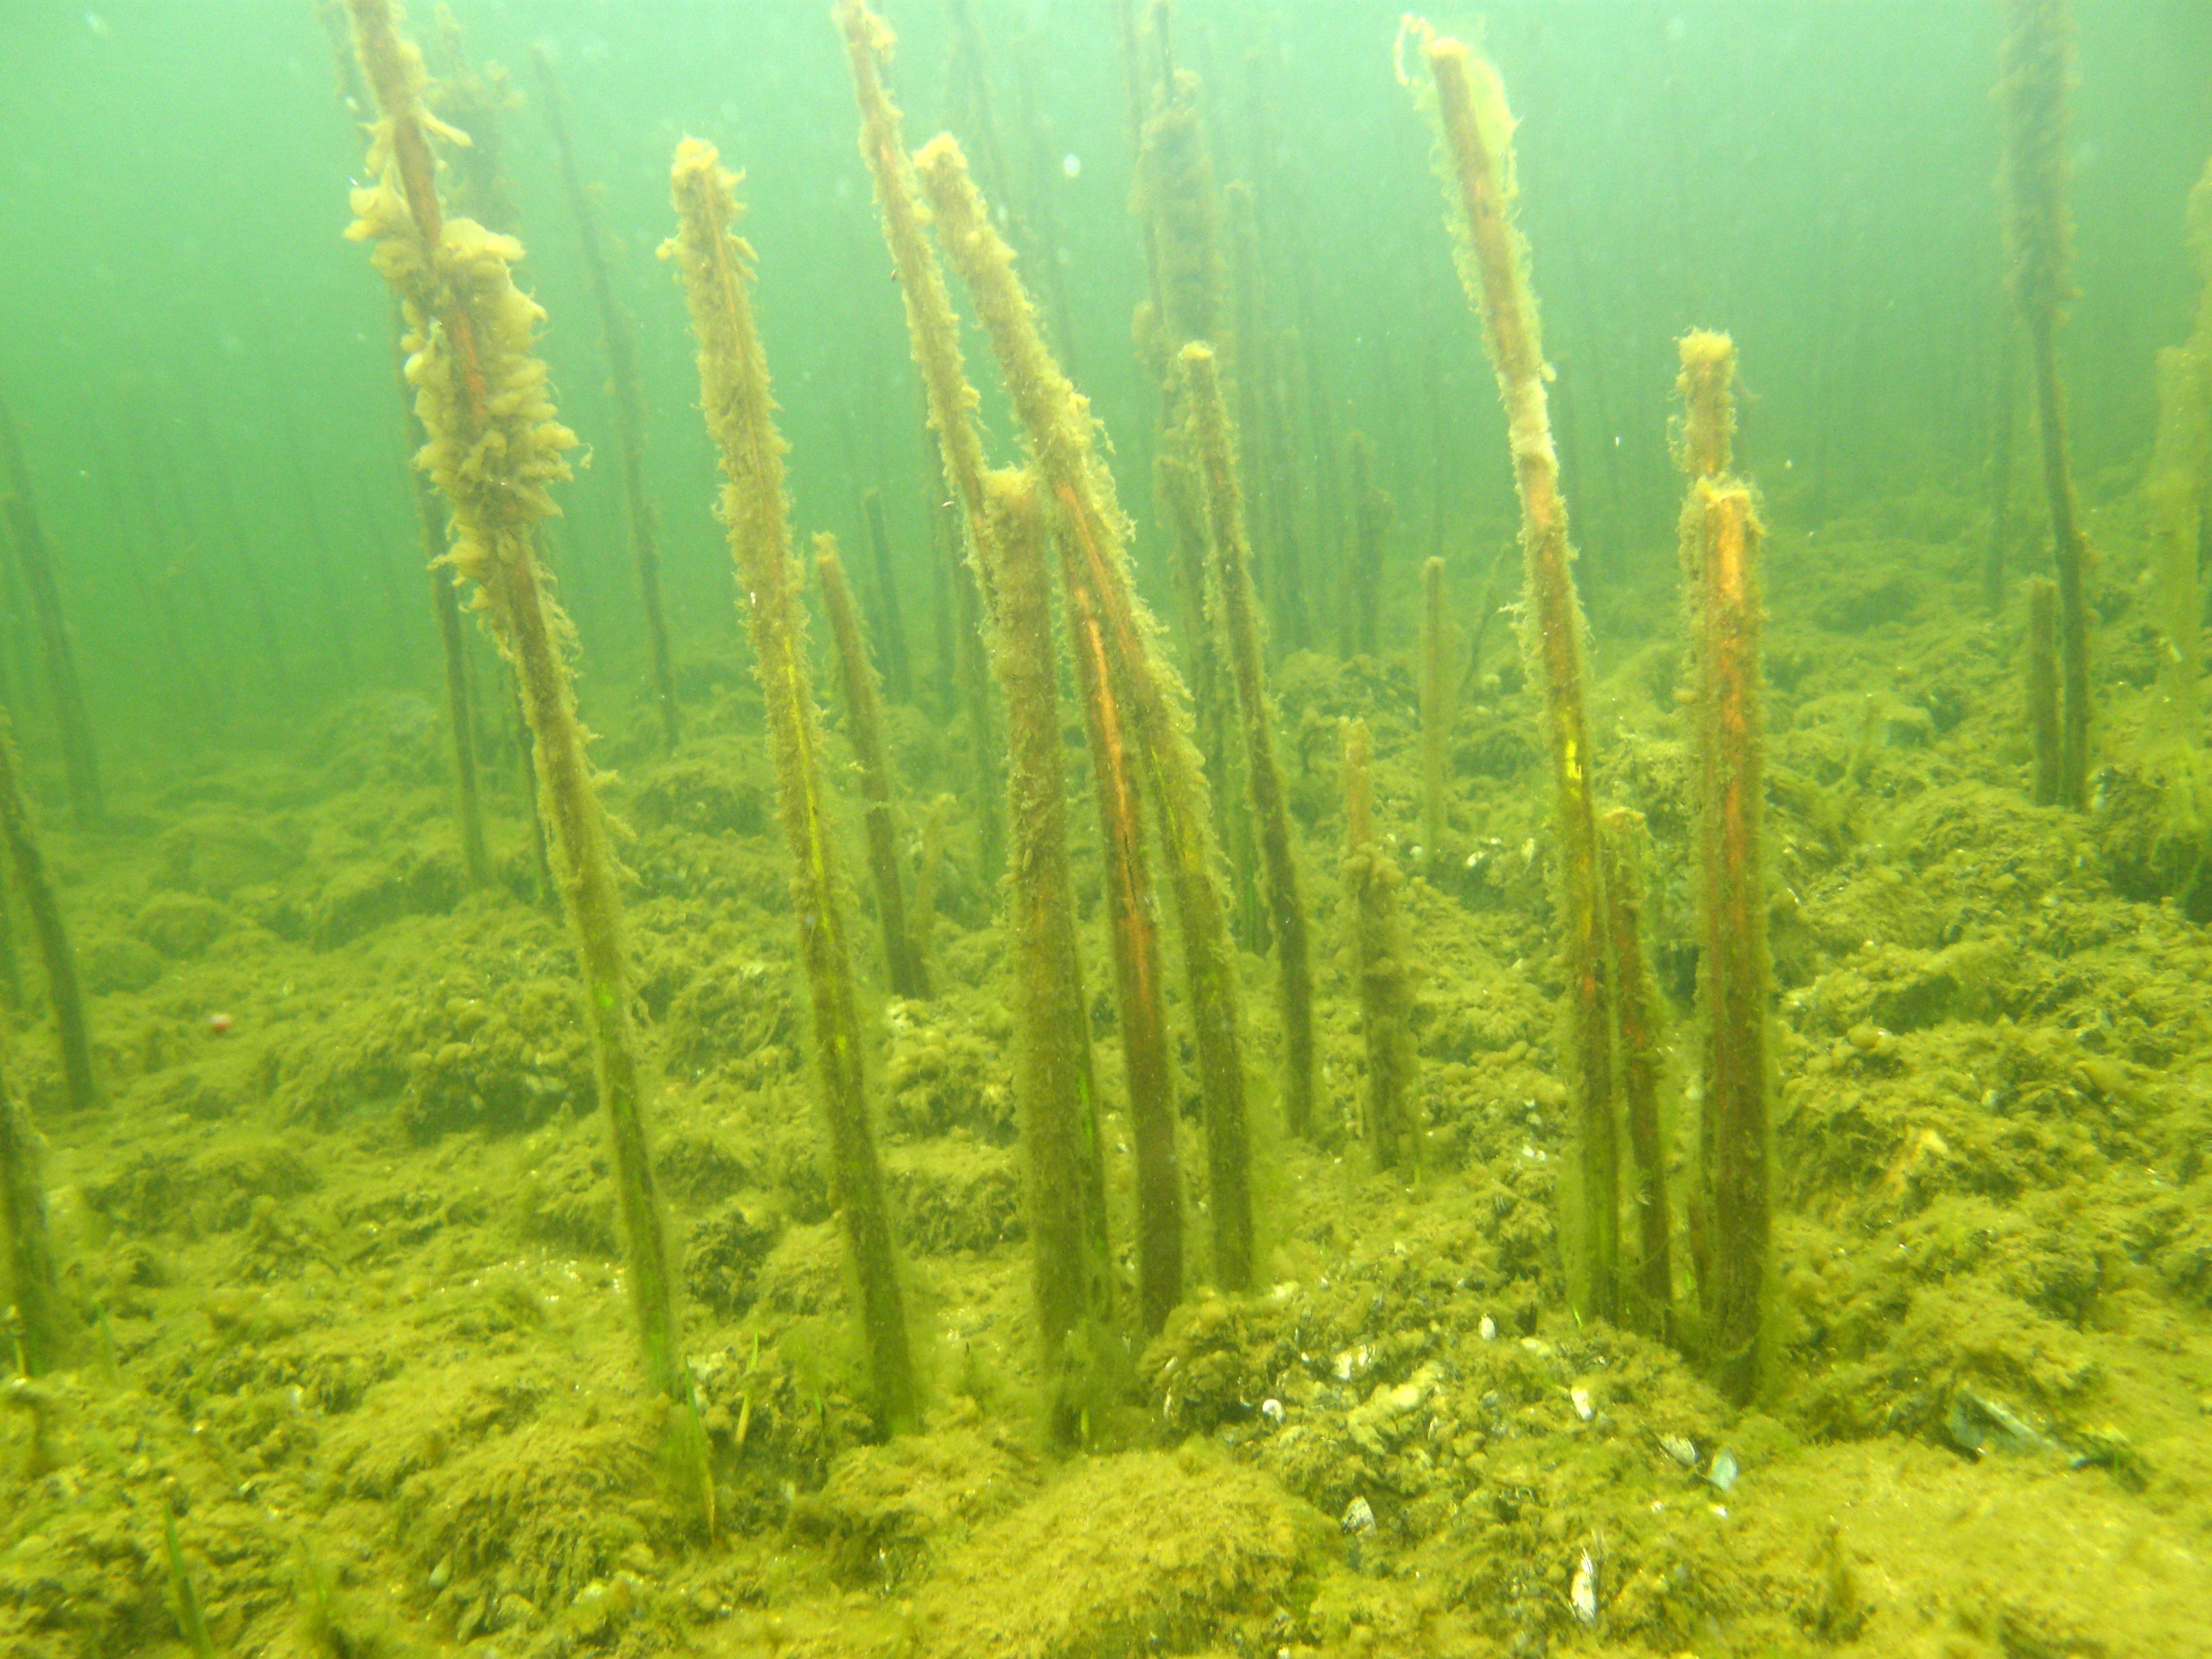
column 1475, row 162
column 1071, row 1267
column 934, row 333
column 863, row 730
column 1057, row 421
column 495, row 445
column 2037, row 73
column 1240, row 612
column 714, row 263
column 1385, row 986
column 1720, row 535
column 64, row 989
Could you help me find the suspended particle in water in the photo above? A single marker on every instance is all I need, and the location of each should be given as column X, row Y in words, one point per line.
column 1072, row 165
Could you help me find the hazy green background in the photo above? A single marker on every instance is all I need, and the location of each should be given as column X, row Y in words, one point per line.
column 177, row 307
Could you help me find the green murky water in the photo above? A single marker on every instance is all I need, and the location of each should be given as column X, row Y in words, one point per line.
column 324, row 1273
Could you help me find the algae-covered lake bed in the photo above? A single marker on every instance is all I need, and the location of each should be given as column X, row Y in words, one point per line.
column 1197, row 1033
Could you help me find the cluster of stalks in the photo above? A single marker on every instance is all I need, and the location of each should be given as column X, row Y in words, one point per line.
column 495, row 445
column 1614, row 1041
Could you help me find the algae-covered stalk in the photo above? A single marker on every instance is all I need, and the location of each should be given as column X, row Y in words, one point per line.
column 934, row 332
column 1240, row 612
column 2038, row 71
column 1637, row 1013
column 1385, row 986
column 864, row 728
column 496, row 444
column 1439, row 695
column 734, row 394
column 1058, row 424
column 36, row 886
column 1071, row 1268
column 618, row 336
column 1720, row 535
column 57, row 654
column 2041, row 688
column 40, row 1321
column 1476, row 163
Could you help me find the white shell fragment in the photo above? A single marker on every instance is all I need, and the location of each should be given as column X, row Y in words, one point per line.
column 1583, row 1593
column 1680, row 1448
column 1581, row 1397
column 1272, row 1410
column 1488, row 1328
column 1358, row 1516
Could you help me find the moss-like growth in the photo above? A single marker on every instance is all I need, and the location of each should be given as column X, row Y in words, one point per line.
column 1071, row 1268
column 734, row 392
column 1474, row 162
column 617, row 337
column 1439, row 703
column 863, row 730
column 495, row 446
column 1371, row 880
column 2041, row 689
column 2038, row 72
column 1057, row 421
column 1637, row 1013
column 28, row 862
column 1720, row 545
column 934, row 332
column 66, row 690
column 890, row 614
column 1240, row 612
column 40, row 1321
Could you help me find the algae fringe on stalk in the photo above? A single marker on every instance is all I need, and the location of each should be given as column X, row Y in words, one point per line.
column 2038, row 71
column 1439, row 701
column 1637, row 1013
column 64, row 989
column 496, row 445
column 1071, row 1264
column 1240, row 610
column 2040, row 689
column 1371, row 880
column 934, row 333
column 714, row 265
column 863, row 730
column 1721, row 537
column 1474, row 162
column 1093, row 535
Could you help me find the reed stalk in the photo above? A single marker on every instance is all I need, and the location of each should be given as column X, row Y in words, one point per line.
column 934, row 332
column 2038, row 72
column 495, row 446
column 1058, row 425
column 1475, row 163
column 63, row 990
column 1721, row 537
column 1232, row 578
column 714, row 263
column 1371, row 880
column 863, row 730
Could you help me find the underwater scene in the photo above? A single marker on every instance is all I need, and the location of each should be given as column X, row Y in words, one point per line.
column 1069, row 829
